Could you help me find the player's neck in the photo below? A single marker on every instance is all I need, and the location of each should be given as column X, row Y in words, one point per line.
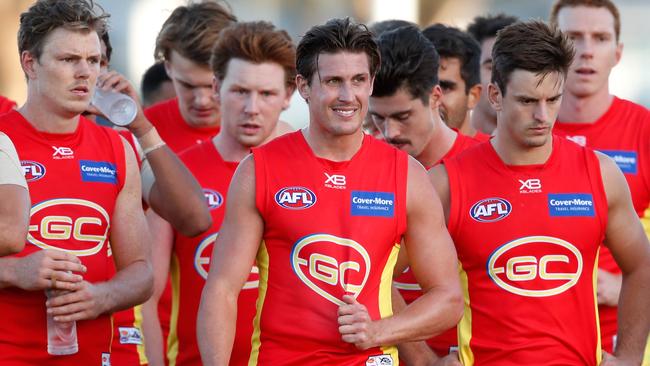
column 589, row 109
column 332, row 147
column 483, row 122
column 45, row 119
column 229, row 148
column 513, row 153
column 441, row 141
column 466, row 128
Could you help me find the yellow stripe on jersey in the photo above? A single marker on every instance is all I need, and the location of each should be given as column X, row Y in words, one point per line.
column 137, row 314
column 646, row 355
column 465, row 325
column 172, row 338
column 645, row 221
column 599, row 346
column 263, row 265
column 385, row 300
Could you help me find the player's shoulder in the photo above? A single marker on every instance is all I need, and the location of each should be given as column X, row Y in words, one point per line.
column 633, row 112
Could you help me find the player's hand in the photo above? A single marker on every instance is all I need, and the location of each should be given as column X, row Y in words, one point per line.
column 85, row 303
column 608, row 288
column 117, row 82
column 49, row 269
column 355, row 324
column 611, row 360
column 450, row 360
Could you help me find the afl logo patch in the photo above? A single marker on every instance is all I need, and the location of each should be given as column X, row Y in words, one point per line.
column 32, row 170
column 213, row 199
column 295, row 198
column 490, row 210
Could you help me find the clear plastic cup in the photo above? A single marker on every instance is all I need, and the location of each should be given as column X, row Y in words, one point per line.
column 61, row 337
column 117, row 107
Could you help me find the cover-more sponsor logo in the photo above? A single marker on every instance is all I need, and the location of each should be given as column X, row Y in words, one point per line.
column 331, row 266
column 76, row 226
column 530, row 186
column 62, row 152
column 490, row 210
column 335, row 181
column 32, row 170
column 295, row 198
column 98, row 171
column 203, row 255
column 626, row 160
column 372, row 204
column 536, row 266
column 571, row 204
column 213, row 198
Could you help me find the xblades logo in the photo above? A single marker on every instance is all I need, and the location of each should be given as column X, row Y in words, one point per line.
column 580, row 140
column 62, row 152
column 335, row 181
column 530, row 186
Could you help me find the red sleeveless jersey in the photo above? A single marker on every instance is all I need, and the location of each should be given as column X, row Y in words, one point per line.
column 527, row 238
column 406, row 282
column 623, row 133
column 191, row 263
column 331, row 228
column 6, row 105
column 74, row 180
column 481, row 137
column 173, row 129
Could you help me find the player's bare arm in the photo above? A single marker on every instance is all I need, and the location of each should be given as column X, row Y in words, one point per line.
column 627, row 241
column 432, row 259
column 163, row 236
column 132, row 284
column 175, row 195
column 234, row 252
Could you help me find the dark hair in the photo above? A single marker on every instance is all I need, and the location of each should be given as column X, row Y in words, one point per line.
column 531, row 46
column 409, row 61
column 192, row 30
column 483, row 27
column 451, row 42
column 336, row 35
column 378, row 28
column 107, row 42
column 607, row 4
column 256, row 42
column 46, row 15
column 155, row 76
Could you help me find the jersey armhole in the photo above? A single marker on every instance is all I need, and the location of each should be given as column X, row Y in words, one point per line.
column 120, row 156
column 455, row 196
column 401, row 180
column 596, row 181
column 260, row 180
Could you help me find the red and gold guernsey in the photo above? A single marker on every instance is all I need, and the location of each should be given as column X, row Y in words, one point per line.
column 191, row 263
column 623, row 133
column 74, row 180
column 406, row 282
column 331, row 228
column 172, row 127
column 527, row 239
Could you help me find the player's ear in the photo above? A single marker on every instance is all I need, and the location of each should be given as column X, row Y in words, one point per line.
column 216, row 85
column 495, row 97
column 303, row 87
column 27, row 61
column 474, row 96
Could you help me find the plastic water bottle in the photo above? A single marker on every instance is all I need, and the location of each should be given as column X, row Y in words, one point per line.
column 61, row 337
column 117, row 107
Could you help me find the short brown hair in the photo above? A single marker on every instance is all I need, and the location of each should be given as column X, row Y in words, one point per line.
column 607, row 4
column 192, row 30
column 531, row 46
column 337, row 35
column 46, row 15
column 256, row 42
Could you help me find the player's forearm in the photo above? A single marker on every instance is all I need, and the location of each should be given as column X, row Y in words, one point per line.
column 176, row 196
column 7, row 272
column 431, row 314
column 216, row 327
column 153, row 337
column 411, row 353
column 131, row 285
column 633, row 319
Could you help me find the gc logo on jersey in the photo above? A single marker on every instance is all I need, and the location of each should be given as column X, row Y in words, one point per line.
column 331, row 266
column 536, row 266
column 295, row 198
column 202, row 257
column 490, row 210
column 76, row 226
column 214, row 199
column 32, row 170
